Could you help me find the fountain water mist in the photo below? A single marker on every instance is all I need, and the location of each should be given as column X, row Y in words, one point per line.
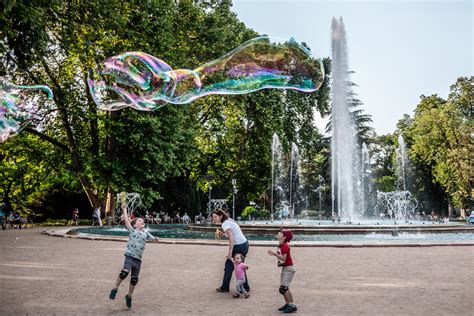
column 364, row 178
column 402, row 163
column 343, row 142
column 277, row 190
column 400, row 205
column 294, row 177
column 127, row 201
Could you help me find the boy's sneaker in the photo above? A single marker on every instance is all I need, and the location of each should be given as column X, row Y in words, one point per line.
column 283, row 307
column 290, row 309
column 128, row 299
column 113, row 293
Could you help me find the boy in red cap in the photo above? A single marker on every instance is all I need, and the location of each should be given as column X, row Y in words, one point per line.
column 287, row 271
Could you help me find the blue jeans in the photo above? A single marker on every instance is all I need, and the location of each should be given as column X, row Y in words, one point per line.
column 229, row 266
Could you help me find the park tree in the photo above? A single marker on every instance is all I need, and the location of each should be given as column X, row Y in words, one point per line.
column 59, row 42
column 419, row 179
column 442, row 138
column 29, row 169
column 383, row 172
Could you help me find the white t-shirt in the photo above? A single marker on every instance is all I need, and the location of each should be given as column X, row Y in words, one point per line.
column 239, row 237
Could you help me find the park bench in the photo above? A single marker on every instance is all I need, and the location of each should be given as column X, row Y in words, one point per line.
column 24, row 222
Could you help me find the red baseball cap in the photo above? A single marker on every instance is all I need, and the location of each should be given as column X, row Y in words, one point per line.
column 288, row 234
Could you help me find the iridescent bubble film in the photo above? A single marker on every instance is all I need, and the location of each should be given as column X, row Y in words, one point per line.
column 146, row 83
column 18, row 107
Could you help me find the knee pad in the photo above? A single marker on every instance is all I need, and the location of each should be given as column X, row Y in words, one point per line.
column 283, row 289
column 123, row 274
column 133, row 280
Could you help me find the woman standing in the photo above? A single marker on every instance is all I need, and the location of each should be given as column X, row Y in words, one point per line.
column 237, row 244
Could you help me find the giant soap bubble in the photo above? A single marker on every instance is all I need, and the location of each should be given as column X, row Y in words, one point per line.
column 17, row 109
column 146, row 83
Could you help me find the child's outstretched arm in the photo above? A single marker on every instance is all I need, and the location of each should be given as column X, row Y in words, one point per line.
column 126, row 219
column 152, row 238
column 278, row 256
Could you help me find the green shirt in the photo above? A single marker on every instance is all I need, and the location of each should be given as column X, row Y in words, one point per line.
column 136, row 243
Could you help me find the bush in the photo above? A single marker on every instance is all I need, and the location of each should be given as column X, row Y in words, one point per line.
column 67, row 222
column 254, row 213
column 55, row 222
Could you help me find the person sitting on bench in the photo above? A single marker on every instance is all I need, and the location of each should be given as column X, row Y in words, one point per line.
column 15, row 219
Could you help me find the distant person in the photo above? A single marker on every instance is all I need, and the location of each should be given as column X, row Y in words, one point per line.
column 283, row 254
column 96, row 217
column 133, row 256
column 285, row 213
column 186, row 218
column 15, row 219
column 240, row 267
column 75, row 216
column 177, row 218
column 199, row 218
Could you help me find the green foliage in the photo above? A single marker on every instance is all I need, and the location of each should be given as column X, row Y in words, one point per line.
column 29, row 169
column 385, row 183
column 163, row 155
column 441, row 134
column 254, row 213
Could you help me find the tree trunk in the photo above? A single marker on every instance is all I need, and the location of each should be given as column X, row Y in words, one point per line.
column 8, row 208
column 450, row 210
column 74, row 152
column 110, row 205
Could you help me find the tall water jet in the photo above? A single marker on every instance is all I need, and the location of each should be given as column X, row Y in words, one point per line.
column 402, row 164
column 364, row 177
column 294, row 177
column 276, row 190
column 343, row 142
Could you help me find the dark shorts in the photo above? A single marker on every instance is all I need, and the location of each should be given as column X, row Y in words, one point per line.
column 132, row 265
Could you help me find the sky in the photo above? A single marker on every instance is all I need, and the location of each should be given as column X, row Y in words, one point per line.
column 399, row 50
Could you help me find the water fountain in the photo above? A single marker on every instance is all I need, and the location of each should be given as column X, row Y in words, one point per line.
column 343, row 142
column 293, row 178
column 402, row 164
column 350, row 167
column 364, row 188
column 400, row 205
column 277, row 194
column 128, row 201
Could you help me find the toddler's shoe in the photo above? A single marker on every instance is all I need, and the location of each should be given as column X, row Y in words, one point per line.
column 290, row 309
column 283, row 307
column 236, row 295
column 246, row 295
column 128, row 300
column 113, row 293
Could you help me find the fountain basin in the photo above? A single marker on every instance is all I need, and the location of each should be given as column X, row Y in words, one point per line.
column 330, row 228
column 305, row 237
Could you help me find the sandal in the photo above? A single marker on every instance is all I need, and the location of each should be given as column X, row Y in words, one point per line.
column 246, row 295
column 236, row 295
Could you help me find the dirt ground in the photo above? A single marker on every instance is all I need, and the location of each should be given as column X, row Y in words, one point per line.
column 43, row 275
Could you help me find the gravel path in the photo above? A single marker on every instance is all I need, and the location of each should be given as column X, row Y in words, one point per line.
column 43, row 275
